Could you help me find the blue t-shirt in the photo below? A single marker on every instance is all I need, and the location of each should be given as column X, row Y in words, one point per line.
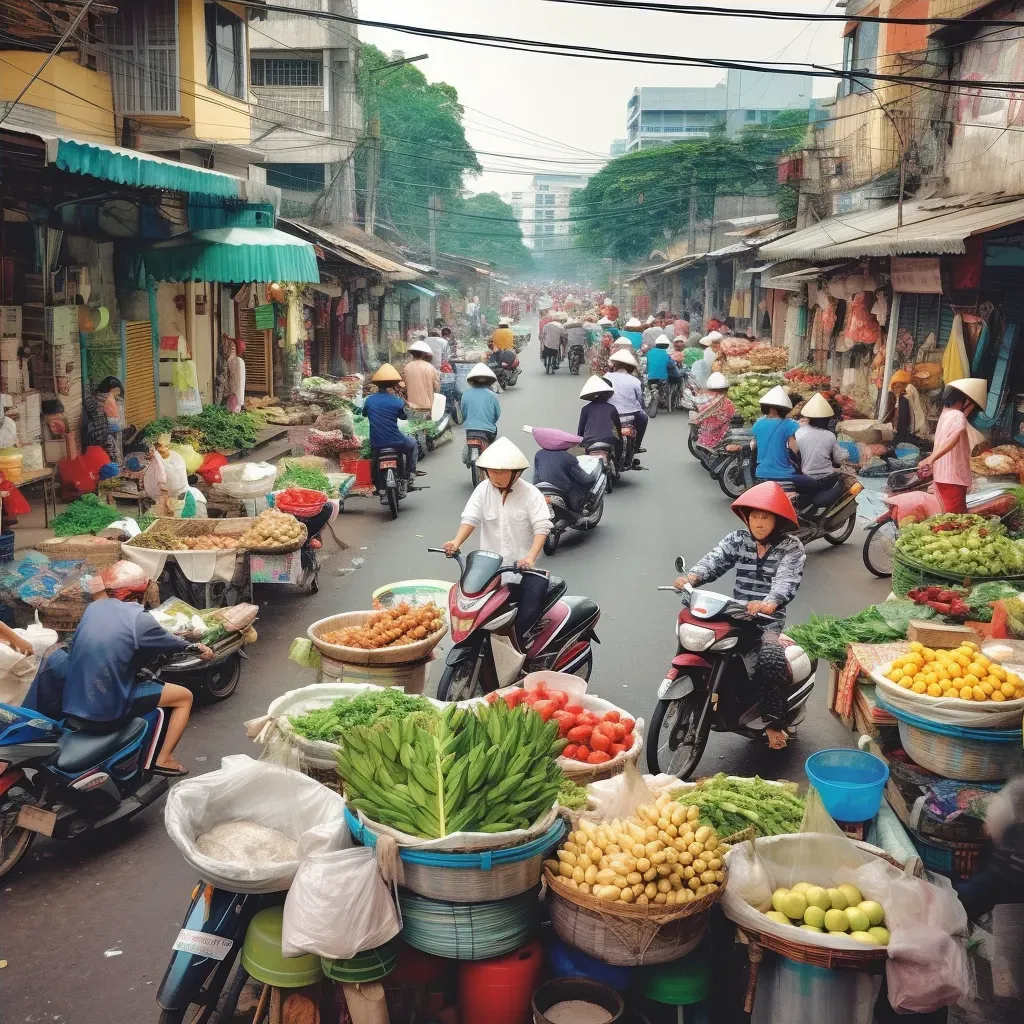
column 636, row 338
column 772, row 435
column 657, row 364
column 384, row 410
column 481, row 409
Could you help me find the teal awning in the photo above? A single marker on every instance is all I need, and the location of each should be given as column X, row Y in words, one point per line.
column 419, row 288
column 143, row 170
column 233, row 256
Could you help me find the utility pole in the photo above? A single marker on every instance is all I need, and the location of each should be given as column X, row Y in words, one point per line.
column 372, row 173
column 432, row 207
column 691, row 234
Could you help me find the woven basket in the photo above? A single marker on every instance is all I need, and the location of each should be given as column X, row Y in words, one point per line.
column 356, row 655
column 471, row 877
column 583, row 774
column 966, row 758
column 280, row 549
column 908, row 575
column 98, row 552
column 624, row 934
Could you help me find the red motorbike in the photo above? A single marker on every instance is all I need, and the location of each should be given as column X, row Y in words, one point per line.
column 485, row 653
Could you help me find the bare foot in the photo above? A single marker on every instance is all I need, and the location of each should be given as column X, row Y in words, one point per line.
column 777, row 738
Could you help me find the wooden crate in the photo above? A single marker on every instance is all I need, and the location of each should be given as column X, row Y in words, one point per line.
column 941, row 635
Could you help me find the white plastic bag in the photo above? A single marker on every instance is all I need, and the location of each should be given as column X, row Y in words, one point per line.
column 338, row 906
column 247, row 790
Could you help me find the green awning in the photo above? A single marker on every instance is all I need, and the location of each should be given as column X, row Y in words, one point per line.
column 233, row 256
column 143, row 170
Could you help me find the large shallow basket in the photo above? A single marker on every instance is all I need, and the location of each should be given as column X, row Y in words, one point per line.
column 908, row 575
column 356, row 655
column 624, row 934
column 957, row 752
column 470, row 877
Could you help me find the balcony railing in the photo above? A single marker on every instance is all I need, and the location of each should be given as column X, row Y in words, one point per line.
column 299, row 106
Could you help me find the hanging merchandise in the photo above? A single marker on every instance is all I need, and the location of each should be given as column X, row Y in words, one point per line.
column 861, row 326
column 880, row 307
column 187, row 398
column 363, row 314
column 955, row 365
column 264, row 316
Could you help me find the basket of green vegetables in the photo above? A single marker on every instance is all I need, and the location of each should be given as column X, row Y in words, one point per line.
column 730, row 805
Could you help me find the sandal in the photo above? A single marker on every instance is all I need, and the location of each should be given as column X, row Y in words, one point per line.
column 174, row 771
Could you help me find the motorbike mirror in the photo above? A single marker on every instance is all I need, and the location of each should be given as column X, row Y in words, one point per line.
column 680, row 564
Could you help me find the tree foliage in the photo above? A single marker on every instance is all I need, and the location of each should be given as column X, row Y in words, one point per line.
column 424, row 152
column 639, row 201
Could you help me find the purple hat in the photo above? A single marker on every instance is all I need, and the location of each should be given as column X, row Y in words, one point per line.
column 554, row 440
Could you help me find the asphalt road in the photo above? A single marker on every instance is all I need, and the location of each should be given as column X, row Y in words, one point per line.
column 86, row 928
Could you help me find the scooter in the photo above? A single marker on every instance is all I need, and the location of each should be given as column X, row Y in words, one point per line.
column 211, row 681
column 485, row 653
column 390, row 475
column 605, row 453
column 477, row 442
column 830, row 515
column 689, row 392
column 563, row 517
column 551, row 360
column 707, row 686
column 507, row 373
column 62, row 782
column 658, row 394
column 628, row 458
column 575, row 358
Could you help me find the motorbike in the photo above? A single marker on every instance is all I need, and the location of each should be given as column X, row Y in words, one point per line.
column 688, row 397
column 576, row 355
column 62, row 782
column 733, row 462
column 390, row 475
column 628, row 457
column 477, row 442
column 210, row 681
column 452, row 397
column 195, row 985
column 563, row 517
column 707, row 686
column 659, row 394
column 551, row 360
column 605, row 453
column 485, row 653
column 830, row 515
column 507, row 373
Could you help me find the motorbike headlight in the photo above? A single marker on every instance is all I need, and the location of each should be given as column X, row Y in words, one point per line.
column 695, row 638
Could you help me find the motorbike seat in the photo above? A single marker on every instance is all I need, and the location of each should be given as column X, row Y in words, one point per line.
column 480, row 435
column 825, row 498
column 82, row 750
column 556, row 588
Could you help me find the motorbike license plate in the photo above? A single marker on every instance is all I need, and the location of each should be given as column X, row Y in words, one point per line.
column 214, row 947
column 35, row 819
column 390, row 464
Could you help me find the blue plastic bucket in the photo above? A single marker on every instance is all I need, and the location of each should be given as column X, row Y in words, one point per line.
column 850, row 782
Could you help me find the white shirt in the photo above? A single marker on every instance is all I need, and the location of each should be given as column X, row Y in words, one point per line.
column 507, row 527
column 629, row 396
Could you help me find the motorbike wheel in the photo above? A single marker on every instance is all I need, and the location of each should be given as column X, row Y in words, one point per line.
column 844, row 533
column 474, row 473
column 457, row 416
column 666, row 751
column 878, row 548
column 218, row 683
column 653, row 401
column 672, row 400
column 551, row 543
column 14, row 840
column 393, row 501
column 454, row 683
column 226, row 1009
column 597, row 515
column 732, row 479
column 691, row 444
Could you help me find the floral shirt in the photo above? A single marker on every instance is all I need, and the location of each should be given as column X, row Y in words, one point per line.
column 714, row 421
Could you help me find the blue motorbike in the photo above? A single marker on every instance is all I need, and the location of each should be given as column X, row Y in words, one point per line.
column 61, row 781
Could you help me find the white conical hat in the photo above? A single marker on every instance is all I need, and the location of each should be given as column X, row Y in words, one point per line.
column 662, row 341
column 649, row 321
column 596, row 386
column 632, row 324
column 625, row 356
column 604, row 322
column 420, row 346
column 481, row 372
column 777, row 397
column 817, row 408
column 975, row 388
column 717, row 382
column 502, row 454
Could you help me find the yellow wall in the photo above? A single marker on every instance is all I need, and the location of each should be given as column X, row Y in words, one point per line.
column 80, row 99
column 214, row 115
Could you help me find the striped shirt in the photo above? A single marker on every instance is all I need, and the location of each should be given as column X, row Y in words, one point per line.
column 776, row 577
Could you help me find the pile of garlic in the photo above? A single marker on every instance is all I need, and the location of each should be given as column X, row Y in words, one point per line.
column 661, row 855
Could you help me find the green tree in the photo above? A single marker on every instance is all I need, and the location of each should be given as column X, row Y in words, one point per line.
column 483, row 226
column 639, row 201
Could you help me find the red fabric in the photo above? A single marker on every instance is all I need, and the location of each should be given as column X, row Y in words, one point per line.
column 766, row 497
column 14, row 501
column 952, row 496
column 96, row 457
column 965, row 270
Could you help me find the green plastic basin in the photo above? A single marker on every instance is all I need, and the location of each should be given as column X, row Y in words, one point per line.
column 680, row 983
column 262, row 958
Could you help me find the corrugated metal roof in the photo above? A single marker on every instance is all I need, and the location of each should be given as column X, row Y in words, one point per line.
column 731, row 250
column 353, row 252
column 937, row 225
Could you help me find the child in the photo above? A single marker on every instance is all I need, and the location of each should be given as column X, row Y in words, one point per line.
column 769, row 564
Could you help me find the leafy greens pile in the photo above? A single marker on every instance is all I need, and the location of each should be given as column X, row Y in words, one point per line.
column 730, row 805
column 211, row 429
column 329, row 724
column 827, row 637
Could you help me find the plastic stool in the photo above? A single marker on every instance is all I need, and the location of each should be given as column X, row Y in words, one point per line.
column 684, row 984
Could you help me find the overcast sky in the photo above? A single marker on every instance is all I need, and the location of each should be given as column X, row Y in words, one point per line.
column 580, row 104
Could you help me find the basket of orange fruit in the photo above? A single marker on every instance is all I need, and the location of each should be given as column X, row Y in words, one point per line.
column 964, row 686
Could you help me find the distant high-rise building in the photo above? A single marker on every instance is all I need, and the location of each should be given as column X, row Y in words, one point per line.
column 543, row 209
column 659, row 116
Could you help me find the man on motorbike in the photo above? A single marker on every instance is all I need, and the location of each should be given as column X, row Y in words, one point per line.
column 480, row 407
column 109, row 646
column 628, row 398
column 422, row 381
column 659, row 364
column 514, row 521
column 820, row 453
column 555, row 466
column 715, row 415
column 599, row 419
column 769, row 562
column 632, row 329
column 384, row 409
column 503, row 338
column 772, row 434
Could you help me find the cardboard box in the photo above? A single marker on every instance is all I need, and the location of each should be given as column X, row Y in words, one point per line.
column 61, row 325
column 12, row 376
column 9, row 348
column 54, row 451
column 10, row 322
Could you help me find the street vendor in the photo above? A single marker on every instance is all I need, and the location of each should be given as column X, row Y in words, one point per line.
column 769, row 562
column 111, row 643
column 514, row 521
column 950, row 461
column 102, row 420
column 905, row 412
column 422, row 381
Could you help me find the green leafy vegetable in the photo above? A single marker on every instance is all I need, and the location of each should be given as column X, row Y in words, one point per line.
column 87, row 515
column 213, row 428
column 730, row 805
column 572, row 796
column 304, row 476
column 825, row 636
column 331, row 723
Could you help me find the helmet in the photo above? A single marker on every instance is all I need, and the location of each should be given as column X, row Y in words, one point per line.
column 975, row 388
column 899, row 377
column 387, row 374
column 552, row 439
column 503, row 454
column 778, row 397
column 596, row 386
column 624, row 357
column 481, row 372
column 717, row 382
column 765, row 497
column 817, row 408
column 632, row 324
column 662, row 341
column 504, row 322
column 420, row 346
column 123, row 579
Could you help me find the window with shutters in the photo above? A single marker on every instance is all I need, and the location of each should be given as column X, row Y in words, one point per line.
column 259, row 367
column 142, row 47
column 922, row 315
column 139, row 389
column 290, row 71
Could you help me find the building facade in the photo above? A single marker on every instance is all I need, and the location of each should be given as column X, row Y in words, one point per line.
column 543, row 209
column 659, row 116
